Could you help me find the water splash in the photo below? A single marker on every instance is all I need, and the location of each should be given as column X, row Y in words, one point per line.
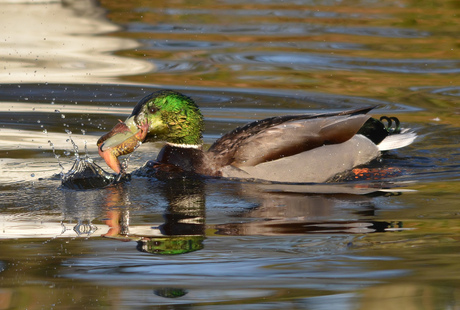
column 75, row 146
column 84, row 174
column 57, row 158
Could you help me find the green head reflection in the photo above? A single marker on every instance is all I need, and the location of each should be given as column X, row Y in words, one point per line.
column 169, row 292
column 171, row 245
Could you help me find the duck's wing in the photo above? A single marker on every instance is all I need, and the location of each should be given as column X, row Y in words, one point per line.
column 278, row 137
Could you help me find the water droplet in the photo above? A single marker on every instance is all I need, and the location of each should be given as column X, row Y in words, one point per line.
column 86, row 151
column 62, row 116
column 45, row 131
column 32, row 175
column 57, row 111
column 38, row 121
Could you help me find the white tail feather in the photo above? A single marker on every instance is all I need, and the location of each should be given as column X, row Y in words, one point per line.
column 397, row 141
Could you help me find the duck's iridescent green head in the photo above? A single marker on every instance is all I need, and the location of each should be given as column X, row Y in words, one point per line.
column 164, row 115
column 171, row 116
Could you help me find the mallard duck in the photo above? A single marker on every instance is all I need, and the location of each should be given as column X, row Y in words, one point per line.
column 293, row 148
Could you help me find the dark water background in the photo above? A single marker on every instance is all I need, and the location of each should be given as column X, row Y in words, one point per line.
column 78, row 66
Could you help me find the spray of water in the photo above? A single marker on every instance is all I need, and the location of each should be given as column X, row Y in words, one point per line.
column 84, row 174
column 57, row 158
column 75, row 146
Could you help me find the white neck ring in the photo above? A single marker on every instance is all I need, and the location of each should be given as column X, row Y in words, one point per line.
column 185, row 146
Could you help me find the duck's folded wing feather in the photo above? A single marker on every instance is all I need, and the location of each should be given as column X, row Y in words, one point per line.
column 295, row 137
column 284, row 135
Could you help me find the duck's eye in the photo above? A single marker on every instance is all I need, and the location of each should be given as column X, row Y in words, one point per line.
column 153, row 109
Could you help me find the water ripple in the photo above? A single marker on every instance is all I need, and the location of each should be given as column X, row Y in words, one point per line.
column 231, row 13
column 309, row 61
column 184, row 45
column 276, row 29
column 175, row 67
column 448, row 91
column 193, row 45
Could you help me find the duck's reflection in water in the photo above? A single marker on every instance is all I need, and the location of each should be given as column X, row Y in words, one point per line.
column 300, row 209
column 183, row 229
column 277, row 210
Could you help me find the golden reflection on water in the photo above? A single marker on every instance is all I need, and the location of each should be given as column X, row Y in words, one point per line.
column 403, row 52
column 381, row 32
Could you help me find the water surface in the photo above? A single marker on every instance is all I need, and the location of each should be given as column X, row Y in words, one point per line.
column 219, row 244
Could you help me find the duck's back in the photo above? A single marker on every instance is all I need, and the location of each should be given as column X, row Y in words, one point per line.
column 279, row 144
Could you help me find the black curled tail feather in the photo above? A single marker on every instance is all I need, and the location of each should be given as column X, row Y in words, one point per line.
column 389, row 127
column 377, row 130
